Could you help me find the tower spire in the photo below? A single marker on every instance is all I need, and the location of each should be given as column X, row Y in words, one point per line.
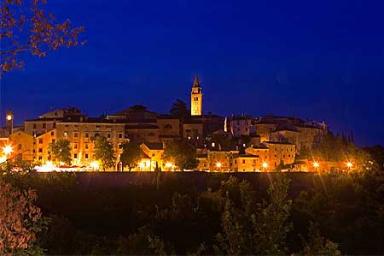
column 196, row 81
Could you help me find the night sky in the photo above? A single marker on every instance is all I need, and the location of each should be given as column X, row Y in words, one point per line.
column 319, row 60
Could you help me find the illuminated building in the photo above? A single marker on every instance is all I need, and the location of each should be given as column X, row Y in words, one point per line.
column 196, row 98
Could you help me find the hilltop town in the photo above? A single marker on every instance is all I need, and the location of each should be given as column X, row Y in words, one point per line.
column 232, row 143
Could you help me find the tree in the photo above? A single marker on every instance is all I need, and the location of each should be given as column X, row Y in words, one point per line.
column 143, row 242
column 61, row 151
column 26, row 28
column 318, row 245
column 20, row 221
column 104, row 152
column 377, row 154
column 131, row 155
column 182, row 153
column 250, row 228
column 179, row 109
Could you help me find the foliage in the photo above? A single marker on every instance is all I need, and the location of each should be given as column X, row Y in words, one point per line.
column 27, row 28
column 255, row 230
column 104, row 152
column 318, row 245
column 377, row 154
column 339, row 148
column 61, row 151
column 131, row 154
column 182, row 153
column 20, row 221
column 179, row 109
column 141, row 243
column 96, row 214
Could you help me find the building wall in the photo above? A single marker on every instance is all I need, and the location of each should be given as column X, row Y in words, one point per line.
column 292, row 137
column 225, row 158
column 138, row 134
column 262, row 153
column 281, row 153
column 41, row 146
column 203, row 163
column 169, row 127
column 193, row 130
column 241, row 127
column 155, row 155
column 246, row 163
column 22, row 144
column 36, row 127
column 196, row 101
column 82, row 134
column 309, row 136
column 264, row 130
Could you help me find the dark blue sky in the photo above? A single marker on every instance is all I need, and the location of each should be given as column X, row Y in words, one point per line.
column 313, row 59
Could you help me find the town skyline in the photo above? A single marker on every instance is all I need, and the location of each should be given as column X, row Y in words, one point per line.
column 19, row 119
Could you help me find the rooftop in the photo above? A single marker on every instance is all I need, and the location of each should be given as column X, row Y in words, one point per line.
column 154, row 146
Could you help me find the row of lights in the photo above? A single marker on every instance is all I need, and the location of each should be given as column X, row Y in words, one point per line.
column 348, row 164
column 8, row 149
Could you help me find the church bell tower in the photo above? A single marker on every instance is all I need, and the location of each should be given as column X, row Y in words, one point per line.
column 196, row 98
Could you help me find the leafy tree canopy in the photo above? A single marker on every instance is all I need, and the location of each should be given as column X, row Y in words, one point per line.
column 182, row 153
column 20, row 220
column 26, row 27
column 179, row 109
column 131, row 154
column 61, row 151
column 104, row 152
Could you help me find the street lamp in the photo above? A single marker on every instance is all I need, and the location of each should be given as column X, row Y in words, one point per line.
column 95, row 165
column 265, row 165
column 7, row 150
column 316, row 165
column 349, row 164
column 218, row 165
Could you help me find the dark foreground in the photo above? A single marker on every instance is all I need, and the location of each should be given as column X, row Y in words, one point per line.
column 115, row 213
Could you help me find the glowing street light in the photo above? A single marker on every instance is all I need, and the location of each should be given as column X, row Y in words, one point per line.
column 218, row 165
column 95, row 165
column 349, row 164
column 7, row 150
column 316, row 164
column 265, row 165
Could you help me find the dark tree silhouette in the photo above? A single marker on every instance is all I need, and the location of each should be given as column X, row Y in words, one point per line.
column 131, row 155
column 179, row 109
